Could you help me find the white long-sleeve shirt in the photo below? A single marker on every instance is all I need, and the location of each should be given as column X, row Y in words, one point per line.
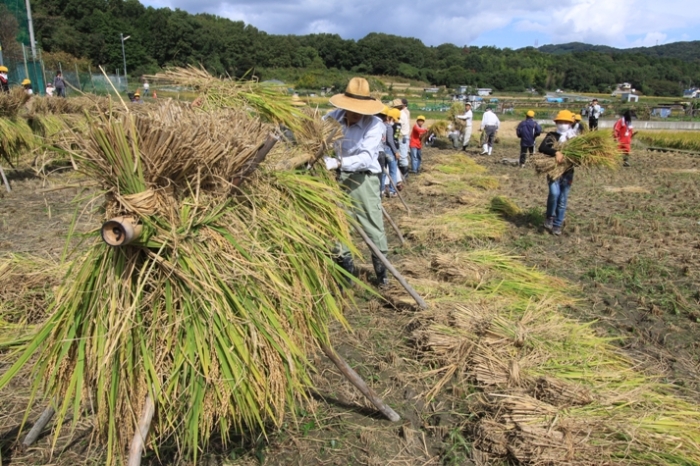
column 405, row 122
column 490, row 119
column 468, row 116
column 359, row 148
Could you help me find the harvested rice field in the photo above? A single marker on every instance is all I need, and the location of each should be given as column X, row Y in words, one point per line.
column 535, row 350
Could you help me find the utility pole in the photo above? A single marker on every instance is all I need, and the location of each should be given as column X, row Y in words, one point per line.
column 1, row 60
column 31, row 30
column 123, row 58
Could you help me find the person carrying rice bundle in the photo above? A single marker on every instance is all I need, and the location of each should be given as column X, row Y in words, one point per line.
column 558, row 187
column 468, row 118
column 623, row 132
column 357, row 162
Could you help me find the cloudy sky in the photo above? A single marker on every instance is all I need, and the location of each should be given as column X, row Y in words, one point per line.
column 503, row 23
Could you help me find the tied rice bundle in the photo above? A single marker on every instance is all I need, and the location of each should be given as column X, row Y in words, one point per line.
column 455, row 109
column 16, row 138
column 439, row 128
column 505, row 206
column 592, row 149
column 12, row 102
column 213, row 310
column 267, row 102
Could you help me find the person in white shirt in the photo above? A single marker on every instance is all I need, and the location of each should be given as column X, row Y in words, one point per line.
column 146, row 88
column 357, row 162
column 49, row 90
column 489, row 123
column 593, row 115
column 468, row 118
column 405, row 123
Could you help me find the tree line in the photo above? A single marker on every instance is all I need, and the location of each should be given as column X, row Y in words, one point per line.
column 161, row 37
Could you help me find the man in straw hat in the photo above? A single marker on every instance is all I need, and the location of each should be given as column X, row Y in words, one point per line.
column 357, row 162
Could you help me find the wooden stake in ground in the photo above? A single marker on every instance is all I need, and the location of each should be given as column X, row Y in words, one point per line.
column 357, row 381
column 38, row 427
column 139, row 440
column 4, row 180
column 393, row 224
column 375, row 250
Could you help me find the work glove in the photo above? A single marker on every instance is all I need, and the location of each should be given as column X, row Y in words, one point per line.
column 331, row 163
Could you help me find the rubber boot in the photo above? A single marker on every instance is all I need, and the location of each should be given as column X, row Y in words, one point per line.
column 490, row 149
column 380, row 270
column 347, row 264
column 485, row 149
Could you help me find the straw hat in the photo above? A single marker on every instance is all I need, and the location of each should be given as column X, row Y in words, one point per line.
column 297, row 102
column 3, row 69
column 356, row 98
column 395, row 113
column 26, row 82
column 397, row 103
column 530, row 113
column 137, row 93
column 565, row 115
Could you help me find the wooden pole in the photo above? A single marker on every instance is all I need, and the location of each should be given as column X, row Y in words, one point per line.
column 357, row 381
column 322, row 151
column 38, row 427
column 375, row 250
column 252, row 165
column 139, row 440
column 396, row 228
column 398, row 193
column 4, row 180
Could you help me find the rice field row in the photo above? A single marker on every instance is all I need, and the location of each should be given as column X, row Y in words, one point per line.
column 683, row 140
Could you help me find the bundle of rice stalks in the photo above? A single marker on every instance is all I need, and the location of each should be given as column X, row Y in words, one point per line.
column 12, row 102
column 592, row 149
column 455, row 109
column 314, row 137
column 439, row 128
column 265, row 101
column 26, row 286
column 16, row 138
column 505, row 206
column 450, row 267
column 213, row 310
column 47, row 125
column 92, row 104
column 456, row 225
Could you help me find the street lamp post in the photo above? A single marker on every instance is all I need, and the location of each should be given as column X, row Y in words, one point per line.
column 126, row 80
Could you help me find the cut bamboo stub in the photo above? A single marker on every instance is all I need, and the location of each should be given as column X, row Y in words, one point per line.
column 120, row 231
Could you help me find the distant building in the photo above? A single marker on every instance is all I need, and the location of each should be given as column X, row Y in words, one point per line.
column 484, row 91
column 693, row 93
column 630, row 97
column 431, row 90
column 623, row 88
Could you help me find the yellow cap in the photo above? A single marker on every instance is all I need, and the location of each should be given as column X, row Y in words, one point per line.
column 26, row 82
column 394, row 113
column 385, row 111
column 137, row 93
column 577, row 117
column 530, row 113
column 420, row 117
column 3, row 69
column 565, row 115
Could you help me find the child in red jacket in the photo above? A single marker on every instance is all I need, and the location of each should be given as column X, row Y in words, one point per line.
column 416, row 143
column 623, row 132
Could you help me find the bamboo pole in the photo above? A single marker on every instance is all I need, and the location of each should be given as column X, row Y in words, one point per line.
column 139, row 440
column 408, row 211
column 38, row 427
column 253, row 163
column 375, row 250
column 354, row 378
column 396, row 228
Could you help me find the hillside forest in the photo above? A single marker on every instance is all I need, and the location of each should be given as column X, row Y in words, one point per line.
column 161, row 37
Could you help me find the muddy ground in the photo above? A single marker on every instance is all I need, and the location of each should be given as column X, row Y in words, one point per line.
column 630, row 243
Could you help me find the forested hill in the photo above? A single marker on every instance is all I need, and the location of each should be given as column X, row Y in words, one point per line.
column 688, row 51
column 162, row 37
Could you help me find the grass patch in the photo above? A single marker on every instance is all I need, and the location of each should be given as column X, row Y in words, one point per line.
column 460, row 224
column 683, row 140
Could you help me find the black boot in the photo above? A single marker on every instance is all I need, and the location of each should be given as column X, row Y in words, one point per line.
column 347, row 264
column 380, row 270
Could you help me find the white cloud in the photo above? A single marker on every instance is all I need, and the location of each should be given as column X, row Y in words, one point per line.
column 620, row 23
